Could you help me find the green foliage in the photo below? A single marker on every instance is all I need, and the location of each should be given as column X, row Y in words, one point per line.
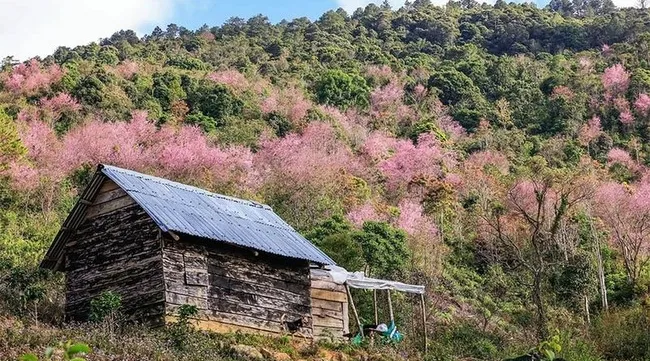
column 181, row 331
column 69, row 352
column 336, row 238
column 624, row 334
column 384, row 248
column 216, row 102
column 11, row 147
column 89, row 90
column 453, row 86
column 167, row 88
column 549, row 349
column 105, row 307
column 342, row 89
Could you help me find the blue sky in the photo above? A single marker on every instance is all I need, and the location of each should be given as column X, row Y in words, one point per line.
column 192, row 16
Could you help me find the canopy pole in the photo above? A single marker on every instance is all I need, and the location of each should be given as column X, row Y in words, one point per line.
column 424, row 324
column 354, row 309
column 390, row 308
column 374, row 303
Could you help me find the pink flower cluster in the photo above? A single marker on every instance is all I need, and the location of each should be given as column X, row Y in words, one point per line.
column 413, row 220
column 406, row 161
column 59, row 104
column 310, row 164
column 387, row 107
column 364, row 213
column 230, row 77
column 615, row 79
column 590, row 131
column 642, row 104
column 618, row 155
column 127, row 69
column 481, row 160
column 183, row 153
column 562, row 92
column 31, row 77
column 289, row 102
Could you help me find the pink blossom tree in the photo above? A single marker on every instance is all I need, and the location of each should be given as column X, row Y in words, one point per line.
column 616, row 80
column 288, row 102
column 27, row 78
column 590, row 131
column 642, row 104
column 230, row 77
column 59, row 104
column 407, row 163
column 127, row 69
column 625, row 212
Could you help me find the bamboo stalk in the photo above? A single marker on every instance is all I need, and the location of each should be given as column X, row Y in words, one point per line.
column 390, row 308
column 424, row 324
column 374, row 296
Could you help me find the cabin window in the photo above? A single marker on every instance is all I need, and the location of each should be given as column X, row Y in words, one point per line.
column 196, row 270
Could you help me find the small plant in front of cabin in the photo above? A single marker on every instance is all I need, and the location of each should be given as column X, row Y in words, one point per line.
column 105, row 309
column 549, row 349
column 65, row 352
column 180, row 331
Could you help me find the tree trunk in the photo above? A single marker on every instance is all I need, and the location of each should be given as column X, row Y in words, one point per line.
column 538, row 300
column 601, row 277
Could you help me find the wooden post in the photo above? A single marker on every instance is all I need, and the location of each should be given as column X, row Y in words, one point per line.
column 374, row 299
column 354, row 309
column 390, row 308
column 424, row 324
column 587, row 309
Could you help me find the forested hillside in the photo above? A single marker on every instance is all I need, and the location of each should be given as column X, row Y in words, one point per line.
column 497, row 154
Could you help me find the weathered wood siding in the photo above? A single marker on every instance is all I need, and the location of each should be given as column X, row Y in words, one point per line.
column 116, row 248
column 236, row 290
column 329, row 306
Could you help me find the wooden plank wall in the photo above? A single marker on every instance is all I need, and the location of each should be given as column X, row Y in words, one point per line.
column 235, row 289
column 329, row 305
column 116, row 248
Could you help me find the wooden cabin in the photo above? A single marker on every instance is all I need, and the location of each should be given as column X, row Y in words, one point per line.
column 162, row 244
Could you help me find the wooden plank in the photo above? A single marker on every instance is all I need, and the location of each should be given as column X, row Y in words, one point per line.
column 328, row 295
column 231, row 306
column 328, row 286
column 260, row 266
column 225, row 307
column 195, row 261
column 109, row 206
column 107, row 186
column 109, row 196
column 328, row 305
column 179, row 299
column 317, row 311
column 193, row 278
column 327, row 322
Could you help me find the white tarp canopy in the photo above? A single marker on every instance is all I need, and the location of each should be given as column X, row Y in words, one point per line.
column 358, row 280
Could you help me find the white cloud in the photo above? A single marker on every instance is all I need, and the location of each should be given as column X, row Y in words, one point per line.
column 37, row 27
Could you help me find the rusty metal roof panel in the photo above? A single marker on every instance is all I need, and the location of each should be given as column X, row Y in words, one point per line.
column 185, row 209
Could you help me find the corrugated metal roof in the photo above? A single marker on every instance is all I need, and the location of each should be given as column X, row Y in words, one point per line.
column 185, row 209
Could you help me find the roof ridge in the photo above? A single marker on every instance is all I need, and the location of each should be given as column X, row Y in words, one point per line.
column 188, row 187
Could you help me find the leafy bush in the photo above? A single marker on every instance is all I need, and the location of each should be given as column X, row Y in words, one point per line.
column 69, row 352
column 341, row 89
